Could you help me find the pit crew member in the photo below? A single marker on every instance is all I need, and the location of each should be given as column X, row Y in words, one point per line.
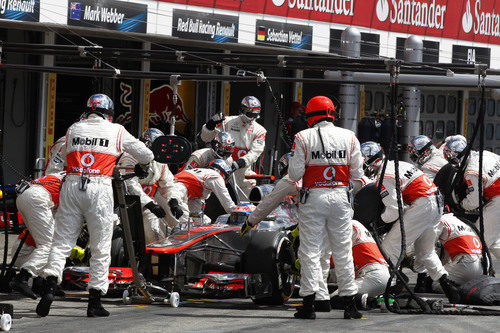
column 159, row 181
column 422, row 213
column 463, row 250
column 192, row 187
column 427, row 157
column 222, row 147
column 37, row 203
column 326, row 158
column 248, row 135
column 284, row 187
column 92, row 148
column 453, row 152
column 371, row 269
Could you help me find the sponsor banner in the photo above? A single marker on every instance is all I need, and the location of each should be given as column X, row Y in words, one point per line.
column 269, row 33
column 471, row 55
column 108, row 14
column 472, row 20
column 20, row 10
column 205, row 26
column 51, row 111
column 145, row 105
column 227, row 98
column 126, row 102
column 161, row 105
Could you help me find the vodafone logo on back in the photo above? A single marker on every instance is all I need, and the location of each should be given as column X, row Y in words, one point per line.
column 423, row 13
column 483, row 22
column 329, row 173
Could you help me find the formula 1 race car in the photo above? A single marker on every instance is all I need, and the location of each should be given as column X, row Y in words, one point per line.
column 215, row 261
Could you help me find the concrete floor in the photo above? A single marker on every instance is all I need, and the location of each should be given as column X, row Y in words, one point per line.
column 232, row 315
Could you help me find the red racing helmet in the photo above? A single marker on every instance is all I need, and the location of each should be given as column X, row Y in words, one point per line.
column 319, row 108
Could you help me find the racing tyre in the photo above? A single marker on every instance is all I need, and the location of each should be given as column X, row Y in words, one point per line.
column 118, row 258
column 270, row 253
column 5, row 322
column 126, row 297
column 174, row 299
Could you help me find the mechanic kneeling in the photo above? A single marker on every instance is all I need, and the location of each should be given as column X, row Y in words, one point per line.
column 152, row 189
column 370, row 267
column 421, row 216
column 222, row 147
column 453, row 152
column 192, row 187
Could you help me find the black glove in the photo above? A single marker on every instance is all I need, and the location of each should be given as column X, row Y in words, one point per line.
column 238, row 164
column 156, row 209
column 175, row 209
column 141, row 171
column 216, row 119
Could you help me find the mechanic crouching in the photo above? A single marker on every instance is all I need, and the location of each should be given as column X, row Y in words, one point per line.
column 421, row 216
column 326, row 158
column 37, row 202
column 453, row 152
column 93, row 146
column 370, row 268
column 192, row 187
column 151, row 188
column 222, row 147
column 428, row 158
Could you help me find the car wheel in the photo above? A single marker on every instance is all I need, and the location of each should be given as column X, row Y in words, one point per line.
column 118, row 253
column 270, row 253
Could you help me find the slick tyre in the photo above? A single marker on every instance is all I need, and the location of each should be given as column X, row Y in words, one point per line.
column 118, row 258
column 270, row 253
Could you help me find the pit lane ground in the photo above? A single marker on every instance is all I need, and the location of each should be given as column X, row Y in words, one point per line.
column 234, row 315
column 230, row 315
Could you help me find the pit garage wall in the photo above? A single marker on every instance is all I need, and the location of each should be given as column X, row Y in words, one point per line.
column 20, row 109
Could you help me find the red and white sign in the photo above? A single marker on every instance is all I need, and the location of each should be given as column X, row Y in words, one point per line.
column 471, row 20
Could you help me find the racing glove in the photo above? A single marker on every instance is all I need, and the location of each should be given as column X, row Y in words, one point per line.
column 77, row 253
column 294, row 235
column 175, row 209
column 214, row 121
column 245, row 228
column 238, row 164
column 156, row 209
column 141, row 170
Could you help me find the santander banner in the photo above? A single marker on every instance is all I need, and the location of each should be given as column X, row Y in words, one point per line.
column 471, row 20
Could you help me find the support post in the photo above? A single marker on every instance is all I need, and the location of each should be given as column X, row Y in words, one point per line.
column 48, row 60
column 144, row 99
column 349, row 93
column 411, row 95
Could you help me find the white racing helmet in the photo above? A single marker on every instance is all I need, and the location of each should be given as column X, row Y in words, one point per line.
column 150, row 135
column 222, row 167
column 250, row 108
column 454, row 149
column 420, row 149
column 283, row 164
column 373, row 157
column 100, row 104
column 223, row 144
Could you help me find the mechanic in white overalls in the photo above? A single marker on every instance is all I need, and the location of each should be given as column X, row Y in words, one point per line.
column 249, row 137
